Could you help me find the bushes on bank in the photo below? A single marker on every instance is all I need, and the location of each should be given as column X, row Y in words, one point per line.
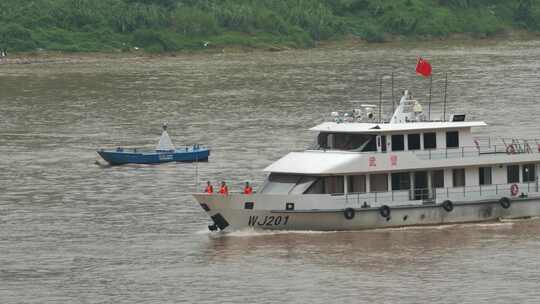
column 171, row 25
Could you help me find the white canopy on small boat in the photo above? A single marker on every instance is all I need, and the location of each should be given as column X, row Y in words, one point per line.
column 165, row 143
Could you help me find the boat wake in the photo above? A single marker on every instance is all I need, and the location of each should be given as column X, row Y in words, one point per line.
column 250, row 232
column 102, row 164
column 519, row 220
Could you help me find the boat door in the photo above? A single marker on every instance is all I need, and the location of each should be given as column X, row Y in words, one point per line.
column 421, row 189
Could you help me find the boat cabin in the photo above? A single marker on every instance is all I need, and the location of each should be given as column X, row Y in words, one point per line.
column 407, row 158
column 362, row 137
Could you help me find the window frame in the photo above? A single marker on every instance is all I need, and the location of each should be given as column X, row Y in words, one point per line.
column 433, row 179
column 402, row 144
column 400, row 179
column 371, row 183
column 454, row 179
column 350, row 183
column 529, row 178
column 515, row 174
column 429, row 147
column 482, row 180
column 417, row 141
column 455, row 144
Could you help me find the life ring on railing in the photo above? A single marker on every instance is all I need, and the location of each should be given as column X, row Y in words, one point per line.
column 505, row 202
column 510, row 149
column 514, row 189
column 385, row 211
column 349, row 213
column 448, row 206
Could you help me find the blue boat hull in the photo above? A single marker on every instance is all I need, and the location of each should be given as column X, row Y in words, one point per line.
column 123, row 156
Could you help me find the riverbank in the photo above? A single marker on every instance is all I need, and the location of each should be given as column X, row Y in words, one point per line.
column 165, row 26
column 349, row 42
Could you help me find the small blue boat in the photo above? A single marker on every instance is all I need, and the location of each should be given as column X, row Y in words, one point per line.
column 164, row 152
column 122, row 156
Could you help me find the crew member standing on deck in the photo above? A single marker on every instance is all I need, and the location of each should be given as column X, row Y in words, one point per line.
column 247, row 189
column 209, row 188
column 223, row 189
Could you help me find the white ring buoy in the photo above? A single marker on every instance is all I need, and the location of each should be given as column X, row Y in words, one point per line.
column 514, row 189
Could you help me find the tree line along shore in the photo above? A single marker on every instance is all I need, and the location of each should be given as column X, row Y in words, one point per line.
column 156, row 26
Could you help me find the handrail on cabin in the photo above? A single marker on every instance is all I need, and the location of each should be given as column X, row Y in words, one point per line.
column 515, row 146
column 431, row 194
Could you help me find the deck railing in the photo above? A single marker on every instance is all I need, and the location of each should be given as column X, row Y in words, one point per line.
column 483, row 146
column 432, row 195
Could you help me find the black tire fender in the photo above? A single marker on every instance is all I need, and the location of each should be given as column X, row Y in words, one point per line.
column 349, row 213
column 505, row 202
column 385, row 211
column 448, row 206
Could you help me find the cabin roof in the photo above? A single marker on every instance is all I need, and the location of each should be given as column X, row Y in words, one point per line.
column 357, row 127
column 313, row 162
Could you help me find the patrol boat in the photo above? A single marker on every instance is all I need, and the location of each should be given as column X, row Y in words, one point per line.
column 407, row 171
column 164, row 152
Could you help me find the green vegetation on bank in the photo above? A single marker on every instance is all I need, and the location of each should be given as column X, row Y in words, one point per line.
column 172, row 25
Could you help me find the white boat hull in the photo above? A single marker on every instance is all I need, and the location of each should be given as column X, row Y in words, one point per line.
column 229, row 213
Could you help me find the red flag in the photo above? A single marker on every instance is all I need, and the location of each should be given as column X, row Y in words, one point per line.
column 423, row 67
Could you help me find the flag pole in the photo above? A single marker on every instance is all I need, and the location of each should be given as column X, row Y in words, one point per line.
column 393, row 100
column 429, row 104
column 445, row 89
column 380, row 99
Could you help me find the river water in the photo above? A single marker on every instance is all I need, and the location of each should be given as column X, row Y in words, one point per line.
column 72, row 231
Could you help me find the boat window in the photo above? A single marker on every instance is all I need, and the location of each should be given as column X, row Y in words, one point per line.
column 316, row 188
column 359, row 142
column 401, row 181
column 278, row 183
column 398, row 143
column 452, row 139
column 413, row 141
column 322, row 140
column 512, row 173
column 348, row 141
column 383, row 143
column 378, row 182
column 485, row 175
column 529, row 173
column 371, row 145
column 334, row 185
column 437, row 180
column 327, row 185
column 430, row 141
column 458, row 177
column 303, row 184
column 357, row 184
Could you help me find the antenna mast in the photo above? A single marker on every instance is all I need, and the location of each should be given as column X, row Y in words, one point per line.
column 445, row 89
column 380, row 99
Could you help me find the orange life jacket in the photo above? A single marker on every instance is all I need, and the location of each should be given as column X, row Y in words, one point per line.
column 209, row 189
column 248, row 190
column 224, row 190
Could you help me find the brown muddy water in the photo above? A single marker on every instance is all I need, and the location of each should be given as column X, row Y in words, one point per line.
column 75, row 232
